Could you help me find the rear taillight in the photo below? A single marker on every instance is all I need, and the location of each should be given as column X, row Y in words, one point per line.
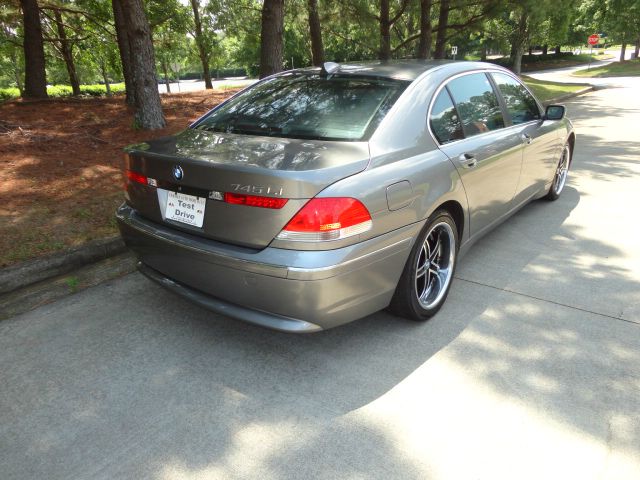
column 325, row 219
column 136, row 177
column 139, row 178
column 254, row 200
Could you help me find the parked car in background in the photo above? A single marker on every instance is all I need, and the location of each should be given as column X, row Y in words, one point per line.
column 318, row 196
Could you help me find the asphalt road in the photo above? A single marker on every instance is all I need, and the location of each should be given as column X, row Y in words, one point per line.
column 530, row 371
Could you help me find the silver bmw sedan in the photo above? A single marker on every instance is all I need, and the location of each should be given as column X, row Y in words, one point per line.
column 319, row 196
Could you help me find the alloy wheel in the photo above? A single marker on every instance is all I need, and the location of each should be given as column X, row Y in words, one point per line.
column 562, row 171
column 434, row 265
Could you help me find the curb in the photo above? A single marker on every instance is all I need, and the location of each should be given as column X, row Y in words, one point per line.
column 33, row 271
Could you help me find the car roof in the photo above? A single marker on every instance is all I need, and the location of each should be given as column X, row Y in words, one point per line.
column 399, row 69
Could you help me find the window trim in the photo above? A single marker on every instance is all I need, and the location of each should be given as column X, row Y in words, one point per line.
column 455, row 108
column 487, row 72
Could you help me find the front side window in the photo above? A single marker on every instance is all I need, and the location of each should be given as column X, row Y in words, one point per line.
column 444, row 121
column 521, row 105
column 308, row 106
column 477, row 104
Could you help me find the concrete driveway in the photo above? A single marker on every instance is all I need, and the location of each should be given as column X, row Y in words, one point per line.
column 530, row 371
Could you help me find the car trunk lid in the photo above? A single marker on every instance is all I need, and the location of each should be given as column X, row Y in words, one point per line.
column 206, row 165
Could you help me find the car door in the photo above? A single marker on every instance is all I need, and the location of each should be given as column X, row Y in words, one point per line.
column 467, row 120
column 541, row 138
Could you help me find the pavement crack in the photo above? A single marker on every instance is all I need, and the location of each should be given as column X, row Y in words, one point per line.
column 533, row 297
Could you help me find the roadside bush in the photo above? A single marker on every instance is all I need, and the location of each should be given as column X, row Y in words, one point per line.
column 529, row 59
column 57, row 91
column 9, row 93
column 100, row 90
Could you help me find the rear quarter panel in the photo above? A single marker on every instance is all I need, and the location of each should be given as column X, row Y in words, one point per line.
column 404, row 153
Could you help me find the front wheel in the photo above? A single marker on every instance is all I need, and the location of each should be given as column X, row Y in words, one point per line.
column 426, row 279
column 560, row 177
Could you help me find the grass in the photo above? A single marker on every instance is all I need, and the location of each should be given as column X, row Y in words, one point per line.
column 546, row 91
column 630, row 68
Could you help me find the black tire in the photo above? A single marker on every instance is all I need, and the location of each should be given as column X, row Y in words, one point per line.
column 424, row 284
column 560, row 175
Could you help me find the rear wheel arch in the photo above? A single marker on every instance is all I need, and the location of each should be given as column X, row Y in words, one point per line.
column 571, row 141
column 457, row 213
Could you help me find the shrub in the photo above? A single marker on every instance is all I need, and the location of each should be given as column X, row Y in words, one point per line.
column 101, row 90
column 57, row 91
column 9, row 93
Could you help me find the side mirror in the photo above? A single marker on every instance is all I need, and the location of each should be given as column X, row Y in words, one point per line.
column 555, row 112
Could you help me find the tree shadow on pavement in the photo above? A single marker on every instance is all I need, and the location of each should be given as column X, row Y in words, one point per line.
column 130, row 381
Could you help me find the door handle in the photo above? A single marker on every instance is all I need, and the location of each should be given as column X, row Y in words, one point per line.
column 527, row 138
column 468, row 160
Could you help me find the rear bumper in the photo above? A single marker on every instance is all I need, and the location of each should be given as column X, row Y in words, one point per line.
column 287, row 290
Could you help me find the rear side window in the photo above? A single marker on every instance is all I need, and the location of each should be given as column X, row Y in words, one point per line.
column 477, row 104
column 520, row 103
column 308, row 106
column 444, row 120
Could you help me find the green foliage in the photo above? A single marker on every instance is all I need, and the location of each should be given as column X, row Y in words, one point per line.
column 73, row 283
column 9, row 93
column 57, row 91
column 101, row 90
column 350, row 30
column 533, row 59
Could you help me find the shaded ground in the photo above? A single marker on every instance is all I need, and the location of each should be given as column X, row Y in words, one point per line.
column 60, row 180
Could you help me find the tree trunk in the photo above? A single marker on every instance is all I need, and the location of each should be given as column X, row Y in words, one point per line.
column 166, row 76
column 426, row 37
column 317, row 49
column 483, row 52
column 203, row 51
column 271, row 37
column 623, row 49
column 530, row 50
column 125, row 54
column 545, row 49
column 105, row 78
column 443, row 23
column 636, row 51
column 148, row 109
column 67, row 53
column 35, row 76
column 385, row 31
column 558, row 50
column 518, row 41
column 17, row 71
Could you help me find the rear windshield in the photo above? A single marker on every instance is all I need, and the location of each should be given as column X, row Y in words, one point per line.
column 308, row 106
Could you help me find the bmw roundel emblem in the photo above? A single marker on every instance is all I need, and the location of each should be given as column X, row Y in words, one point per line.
column 178, row 173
